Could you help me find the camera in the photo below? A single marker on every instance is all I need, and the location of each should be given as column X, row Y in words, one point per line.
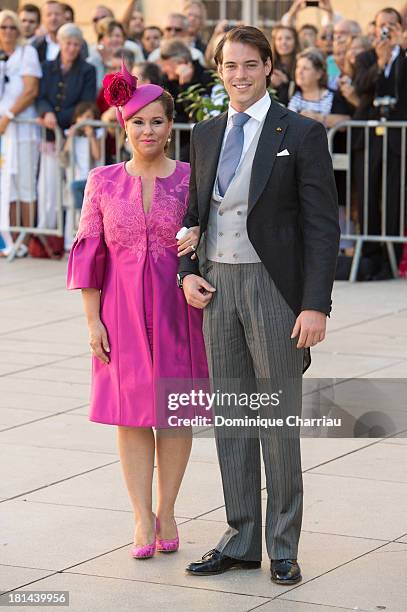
column 384, row 33
column 385, row 104
column 312, row 3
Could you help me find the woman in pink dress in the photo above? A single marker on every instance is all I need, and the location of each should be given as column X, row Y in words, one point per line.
column 141, row 331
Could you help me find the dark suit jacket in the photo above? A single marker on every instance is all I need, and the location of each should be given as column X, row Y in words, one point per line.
column 370, row 83
column 292, row 217
column 61, row 92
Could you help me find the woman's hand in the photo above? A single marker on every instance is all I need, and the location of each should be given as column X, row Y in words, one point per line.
column 191, row 239
column 98, row 341
column 278, row 78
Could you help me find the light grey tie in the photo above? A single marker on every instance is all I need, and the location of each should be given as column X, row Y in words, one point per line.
column 232, row 152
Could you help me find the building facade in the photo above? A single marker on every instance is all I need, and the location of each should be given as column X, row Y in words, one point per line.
column 257, row 12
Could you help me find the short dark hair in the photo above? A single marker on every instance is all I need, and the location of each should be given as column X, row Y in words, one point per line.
column 31, row 8
column 150, row 71
column 84, row 107
column 127, row 55
column 67, row 8
column 248, row 35
column 308, row 26
column 318, row 61
column 153, row 27
column 390, row 11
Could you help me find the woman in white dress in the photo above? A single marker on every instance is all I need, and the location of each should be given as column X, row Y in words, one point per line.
column 20, row 71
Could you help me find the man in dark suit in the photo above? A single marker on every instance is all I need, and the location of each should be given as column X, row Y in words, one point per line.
column 262, row 191
column 381, row 73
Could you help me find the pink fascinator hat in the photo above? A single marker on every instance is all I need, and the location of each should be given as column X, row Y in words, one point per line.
column 121, row 91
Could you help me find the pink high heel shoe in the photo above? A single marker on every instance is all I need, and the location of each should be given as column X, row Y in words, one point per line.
column 166, row 546
column 147, row 551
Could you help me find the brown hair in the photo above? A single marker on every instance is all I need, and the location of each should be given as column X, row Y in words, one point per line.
column 83, row 107
column 248, row 35
column 318, row 61
column 105, row 27
column 167, row 102
column 290, row 69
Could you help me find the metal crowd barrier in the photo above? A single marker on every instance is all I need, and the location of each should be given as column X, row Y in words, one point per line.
column 38, row 142
column 120, row 151
column 343, row 162
column 60, row 174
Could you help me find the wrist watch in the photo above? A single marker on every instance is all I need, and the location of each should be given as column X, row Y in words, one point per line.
column 180, row 279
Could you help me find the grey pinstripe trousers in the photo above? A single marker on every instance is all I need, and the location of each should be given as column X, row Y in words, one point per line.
column 247, row 328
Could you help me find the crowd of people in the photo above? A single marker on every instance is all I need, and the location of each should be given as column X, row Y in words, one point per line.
column 52, row 76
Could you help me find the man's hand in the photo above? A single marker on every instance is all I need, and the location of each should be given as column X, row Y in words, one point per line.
column 50, row 120
column 310, row 326
column 185, row 72
column 383, row 51
column 198, row 292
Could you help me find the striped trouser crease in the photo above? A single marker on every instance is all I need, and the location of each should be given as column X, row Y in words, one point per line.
column 247, row 328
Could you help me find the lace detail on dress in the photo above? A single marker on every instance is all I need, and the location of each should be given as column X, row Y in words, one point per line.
column 116, row 210
column 164, row 219
column 125, row 225
column 91, row 222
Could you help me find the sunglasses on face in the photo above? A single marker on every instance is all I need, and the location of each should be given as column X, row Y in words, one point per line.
column 173, row 29
column 12, row 28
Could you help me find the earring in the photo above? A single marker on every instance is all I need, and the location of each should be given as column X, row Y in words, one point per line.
column 127, row 138
column 169, row 138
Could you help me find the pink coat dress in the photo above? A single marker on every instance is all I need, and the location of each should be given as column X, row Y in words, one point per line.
column 131, row 256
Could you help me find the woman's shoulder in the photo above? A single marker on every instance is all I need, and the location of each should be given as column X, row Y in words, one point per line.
column 107, row 173
column 184, row 168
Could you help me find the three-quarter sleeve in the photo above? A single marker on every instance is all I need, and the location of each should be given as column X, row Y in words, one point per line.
column 87, row 259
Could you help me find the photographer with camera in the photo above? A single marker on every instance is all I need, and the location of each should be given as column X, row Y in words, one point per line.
column 381, row 84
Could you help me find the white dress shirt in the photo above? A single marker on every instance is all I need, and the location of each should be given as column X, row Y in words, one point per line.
column 394, row 55
column 257, row 112
column 52, row 48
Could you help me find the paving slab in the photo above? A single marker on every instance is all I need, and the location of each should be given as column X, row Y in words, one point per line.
column 93, row 594
column 13, row 577
column 90, row 490
column 319, row 553
column 375, row 581
column 65, row 432
column 384, row 462
column 26, row 468
column 53, row 537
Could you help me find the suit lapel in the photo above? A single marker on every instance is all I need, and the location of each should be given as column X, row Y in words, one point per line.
column 214, row 132
column 271, row 137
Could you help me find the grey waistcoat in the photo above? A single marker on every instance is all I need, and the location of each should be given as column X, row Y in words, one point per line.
column 226, row 235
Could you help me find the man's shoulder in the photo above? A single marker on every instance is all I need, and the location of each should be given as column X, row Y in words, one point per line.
column 301, row 124
column 202, row 126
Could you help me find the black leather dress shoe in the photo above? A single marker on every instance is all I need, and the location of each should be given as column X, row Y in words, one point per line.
column 285, row 571
column 213, row 562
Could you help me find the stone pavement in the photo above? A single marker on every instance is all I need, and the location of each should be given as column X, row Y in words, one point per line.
column 66, row 522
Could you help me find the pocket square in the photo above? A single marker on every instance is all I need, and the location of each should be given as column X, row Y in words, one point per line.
column 283, row 153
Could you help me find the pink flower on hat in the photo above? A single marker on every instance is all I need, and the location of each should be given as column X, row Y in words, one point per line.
column 119, row 87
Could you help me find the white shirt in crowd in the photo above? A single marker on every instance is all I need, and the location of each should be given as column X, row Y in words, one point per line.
column 23, row 62
column 52, row 48
column 81, row 155
column 394, row 55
